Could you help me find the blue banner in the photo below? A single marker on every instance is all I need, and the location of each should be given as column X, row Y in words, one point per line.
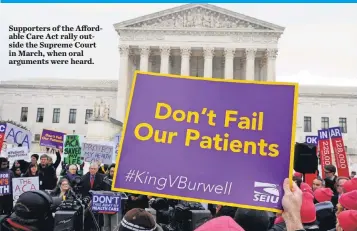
column 106, row 203
column 311, row 140
column 335, row 132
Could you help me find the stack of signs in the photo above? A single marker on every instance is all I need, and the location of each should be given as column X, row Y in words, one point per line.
column 52, row 139
column 24, row 184
column 100, row 153
column 106, row 203
column 72, row 149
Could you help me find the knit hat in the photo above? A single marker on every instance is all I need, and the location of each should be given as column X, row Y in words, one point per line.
column 137, row 220
column 308, row 210
column 348, row 220
column 225, row 223
column 350, row 185
column 349, row 200
column 298, row 174
column 323, row 194
column 306, row 188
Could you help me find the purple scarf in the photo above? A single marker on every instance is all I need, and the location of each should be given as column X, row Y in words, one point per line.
column 71, row 176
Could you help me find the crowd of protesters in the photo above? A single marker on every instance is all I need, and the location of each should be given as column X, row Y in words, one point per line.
column 330, row 204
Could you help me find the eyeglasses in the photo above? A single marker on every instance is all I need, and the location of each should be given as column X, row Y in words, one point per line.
column 327, row 172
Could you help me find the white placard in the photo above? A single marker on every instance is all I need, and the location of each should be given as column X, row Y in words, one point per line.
column 18, row 153
column 17, row 135
column 24, row 184
column 96, row 152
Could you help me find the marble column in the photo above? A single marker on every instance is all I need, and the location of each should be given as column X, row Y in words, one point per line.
column 263, row 68
column 250, row 63
column 185, row 60
column 165, row 56
column 228, row 63
column 271, row 55
column 144, row 58
column 208, row 53
column 123, row 83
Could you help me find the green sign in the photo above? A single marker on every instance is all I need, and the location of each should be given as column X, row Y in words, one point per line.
column 72, row 150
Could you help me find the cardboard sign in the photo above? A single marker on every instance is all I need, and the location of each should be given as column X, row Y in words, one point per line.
column 101, row 153
column 24, row 184
column 72, row 150
column 180, row 130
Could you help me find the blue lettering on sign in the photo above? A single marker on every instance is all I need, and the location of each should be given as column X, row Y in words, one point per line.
column 15, row 136
column 2, row 127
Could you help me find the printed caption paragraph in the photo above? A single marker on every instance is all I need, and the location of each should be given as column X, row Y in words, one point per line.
column 53, row 45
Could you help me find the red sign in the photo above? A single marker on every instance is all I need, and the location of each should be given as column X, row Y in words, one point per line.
column 325, row 149
column 340, row 152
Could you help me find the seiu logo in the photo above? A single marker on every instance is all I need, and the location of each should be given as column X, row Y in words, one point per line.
column 266, row 192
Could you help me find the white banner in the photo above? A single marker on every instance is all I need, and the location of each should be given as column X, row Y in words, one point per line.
column 18, row 153
column 24, row 184
column 16, row 135
column 102, row 153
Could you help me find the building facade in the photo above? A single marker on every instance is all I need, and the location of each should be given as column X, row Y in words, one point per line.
column 196, row 40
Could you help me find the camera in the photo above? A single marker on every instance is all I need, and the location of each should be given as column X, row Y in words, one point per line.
column 174, row 215
column 70, row 213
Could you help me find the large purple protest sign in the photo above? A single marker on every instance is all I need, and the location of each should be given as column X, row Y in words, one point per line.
column 106, row 203
column 208, row 140
column 52, row 139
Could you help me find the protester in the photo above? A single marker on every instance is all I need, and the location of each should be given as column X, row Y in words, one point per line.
column 349, row 200
column 32, row 171
column 325, row 214
column 347, row 221
column 317, row 183
column 6, row 201
column 220, row 223
column 353, row 174
column 225, row 211
column 17, row 172
column 57, row 162
column 330, row 180
column 71, row 174
column 350, row 185
column 138, row 219
column 49, row 177
column 62, row 189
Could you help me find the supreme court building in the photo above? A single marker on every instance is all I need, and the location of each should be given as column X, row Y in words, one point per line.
column 200, row 40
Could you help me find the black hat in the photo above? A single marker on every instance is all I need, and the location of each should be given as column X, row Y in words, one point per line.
column 138, row 220
column 35, row 205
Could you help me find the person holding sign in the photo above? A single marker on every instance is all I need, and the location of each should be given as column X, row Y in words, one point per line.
column 6, row 176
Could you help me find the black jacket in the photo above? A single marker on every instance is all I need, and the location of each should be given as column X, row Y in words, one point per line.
column 97, row 186
column 325, row 215
column 48, row 177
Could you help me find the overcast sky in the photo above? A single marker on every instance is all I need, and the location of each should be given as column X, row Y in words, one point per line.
column 319, row 45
